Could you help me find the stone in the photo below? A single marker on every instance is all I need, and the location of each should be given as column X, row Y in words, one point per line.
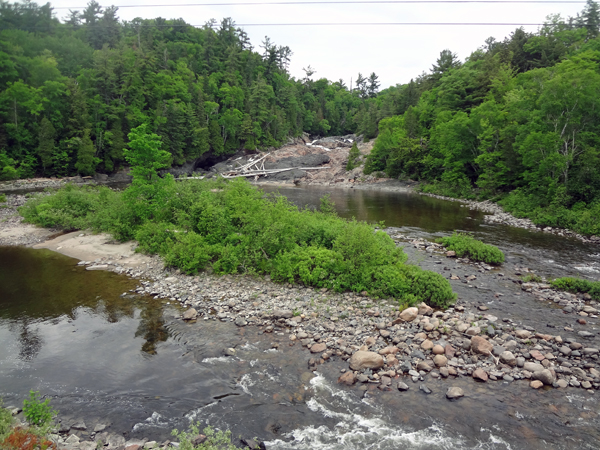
column 586, row 384
column 454, row 392
column 536, row 354
column 532, row 367
column 481, row 346
column 589, row 309
column 545, row 376
column 321, row 347
column 150, row 444
column 348, row 379
column 424, row 309
column 241, row 322
column 565, row 350
column 480, row 374
column 450, row 254
column 366, row 360
column 473, row 331
column 523, row 334
column 536, row 384
column 444, row 372
column 424, row 366
column 97, row 267
column 438, row 350
column 508, row 358
column 427, row 345
column 440, row 360
column 190, row 314
column 99, row 427
column 562, row 383
column 79, row 425
column 392, row 350
column 283, row 314
column 409, row 314
column 402, row 386
column 449, row 351
column 425, row 389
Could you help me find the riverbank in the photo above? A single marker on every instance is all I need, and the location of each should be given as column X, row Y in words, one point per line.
column 497, row 332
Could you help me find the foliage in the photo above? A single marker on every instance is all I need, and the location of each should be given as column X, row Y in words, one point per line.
column 531, row 278
column 2, row 198
column 215, row 440
column 578, row 285
column 467, row 246
column 36, row 412
column 6, row 422
column 352, row 157
column 231, row 227
column 26, row 439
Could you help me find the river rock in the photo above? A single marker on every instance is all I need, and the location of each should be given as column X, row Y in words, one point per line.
column 481, row 345
column 437, row 349
column 409, row 314
column 425, row 309
column 190, row 314
column 366, row 360
column 532, row 367
column 427, row 344
column 454, row 392
column 545, row 376
column 283, row 314
column 440, row 360
column 536, row 384
column 348, row 379
column 424, row 366
column 241, row 322
column 508, row 358
column 402, row 386
column 523, row 334
column 480, row 374
column 97, row 267
column 318, row 348
column 425, row 389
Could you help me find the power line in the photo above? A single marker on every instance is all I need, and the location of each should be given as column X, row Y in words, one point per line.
column 329, row 2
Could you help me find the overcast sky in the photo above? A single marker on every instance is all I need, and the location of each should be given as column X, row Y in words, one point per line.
column 395, row 53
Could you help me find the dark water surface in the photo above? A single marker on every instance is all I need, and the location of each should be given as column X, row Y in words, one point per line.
column 124, row 360
column 422, row 216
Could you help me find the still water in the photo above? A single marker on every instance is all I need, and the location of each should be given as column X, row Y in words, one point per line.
column 123, row 361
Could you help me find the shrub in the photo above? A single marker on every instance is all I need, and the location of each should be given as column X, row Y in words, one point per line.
column 578, row 285
column 465, row 245
column 215, row 440
column 2, row 198
column 36, row 412
column 352, row 157
column 6, row 422
column 235, row 228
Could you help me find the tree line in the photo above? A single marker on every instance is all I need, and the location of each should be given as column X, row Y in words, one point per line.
column 518, row 121
column 70, row 92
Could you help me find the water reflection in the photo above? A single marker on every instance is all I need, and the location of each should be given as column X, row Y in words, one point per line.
column 41, row 287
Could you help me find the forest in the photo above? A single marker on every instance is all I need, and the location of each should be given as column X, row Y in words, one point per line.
column 517, row 121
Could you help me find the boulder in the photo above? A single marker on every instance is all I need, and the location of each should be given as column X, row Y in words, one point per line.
column 545, row 376
column 409, row 314
column 366, row 360
column 481, row 346
column 425, row 309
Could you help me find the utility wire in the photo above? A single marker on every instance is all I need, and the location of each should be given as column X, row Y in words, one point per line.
column 329, row 2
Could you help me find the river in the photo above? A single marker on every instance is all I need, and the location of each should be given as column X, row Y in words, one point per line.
column 108, row 357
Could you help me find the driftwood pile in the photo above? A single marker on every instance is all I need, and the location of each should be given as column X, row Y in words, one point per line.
column 255, row 168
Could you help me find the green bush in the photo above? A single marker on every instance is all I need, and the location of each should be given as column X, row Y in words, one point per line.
column 465, row 245
column 2, row 198
column 36, row 412
column 578, row 285
column 234, row 228
column 6, row 422
column 215, row 440
column 353, row 155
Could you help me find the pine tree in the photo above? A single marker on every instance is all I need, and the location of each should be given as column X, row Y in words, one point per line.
column 352, row 157
column 47, row 143
column 86, row 161
column 591, row 18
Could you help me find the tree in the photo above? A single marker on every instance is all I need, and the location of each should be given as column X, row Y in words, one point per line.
column 86, row 160
column 373, row 87
column 591, row 18
column 47, row 143
column 446, row 61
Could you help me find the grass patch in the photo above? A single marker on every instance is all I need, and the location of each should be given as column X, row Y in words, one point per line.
column 577, row 285
column 233, row 227
column 531, row 278
column 467, row 246
column 2, row 198
column 215, row 440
